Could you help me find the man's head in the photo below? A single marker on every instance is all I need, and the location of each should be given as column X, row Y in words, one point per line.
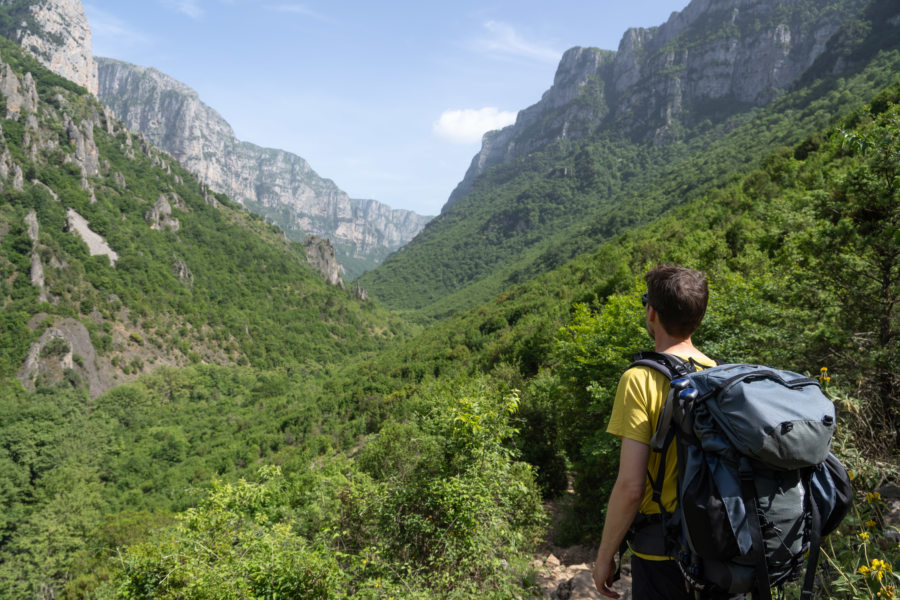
column 679, row 296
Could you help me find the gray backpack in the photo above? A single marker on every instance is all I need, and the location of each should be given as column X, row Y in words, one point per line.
column 757, row 485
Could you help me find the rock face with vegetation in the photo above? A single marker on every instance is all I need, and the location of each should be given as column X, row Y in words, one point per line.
column 57, row 33
column 273, row 183
column 712, row 59
column 103, row 235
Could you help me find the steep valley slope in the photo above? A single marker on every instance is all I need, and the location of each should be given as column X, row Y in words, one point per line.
column 621, row 137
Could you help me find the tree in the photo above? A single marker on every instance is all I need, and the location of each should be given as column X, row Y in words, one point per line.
column 857, row 245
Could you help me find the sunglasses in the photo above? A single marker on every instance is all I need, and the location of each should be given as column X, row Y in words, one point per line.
column 644, row 300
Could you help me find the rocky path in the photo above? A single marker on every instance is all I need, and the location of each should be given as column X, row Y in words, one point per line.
column 565, row 574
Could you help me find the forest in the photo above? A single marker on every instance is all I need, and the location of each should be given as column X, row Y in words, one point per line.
column 269, row 436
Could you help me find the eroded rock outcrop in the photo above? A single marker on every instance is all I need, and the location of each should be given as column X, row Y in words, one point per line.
column 21, row 95
column 160, row 216
column 37, row 266
column 64, row 353
column 320, row 254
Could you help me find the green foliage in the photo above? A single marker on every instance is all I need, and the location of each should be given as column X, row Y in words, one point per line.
column 56, row 347
column 438, row 509
column 236, row 544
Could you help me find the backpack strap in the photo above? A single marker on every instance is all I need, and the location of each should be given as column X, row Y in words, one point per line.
column 815, row 543
column 668, row 364
column 672, row 367
column 748, row 491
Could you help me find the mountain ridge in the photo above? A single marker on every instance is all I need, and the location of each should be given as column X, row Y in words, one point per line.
column 646, row 87
column 543, row 198
column 275, row 183
column 115, row 260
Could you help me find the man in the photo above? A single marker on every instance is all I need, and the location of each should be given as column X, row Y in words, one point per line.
column 674, row 306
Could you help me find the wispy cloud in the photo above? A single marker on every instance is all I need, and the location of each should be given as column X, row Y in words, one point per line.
column 297, row 9
column 109, row 33
column 190, row 8
column 502, row 39
column 468, row 125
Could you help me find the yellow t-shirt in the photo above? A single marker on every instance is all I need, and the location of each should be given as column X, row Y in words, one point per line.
column 639, row 400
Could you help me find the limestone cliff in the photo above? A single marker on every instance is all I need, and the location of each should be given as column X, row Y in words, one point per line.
column 273, row 183
column 710, row 60
column 56, row 32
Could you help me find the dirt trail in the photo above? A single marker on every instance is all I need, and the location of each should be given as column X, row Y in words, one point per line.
column 565, row 573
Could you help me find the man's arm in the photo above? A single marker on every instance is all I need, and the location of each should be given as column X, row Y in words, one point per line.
column 624, row 502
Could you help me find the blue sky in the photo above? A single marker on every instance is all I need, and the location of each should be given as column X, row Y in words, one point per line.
column 388, row 99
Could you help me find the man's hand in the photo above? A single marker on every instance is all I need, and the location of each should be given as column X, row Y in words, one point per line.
column 604, row 572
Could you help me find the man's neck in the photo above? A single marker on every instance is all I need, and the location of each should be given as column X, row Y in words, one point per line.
column 678, row 347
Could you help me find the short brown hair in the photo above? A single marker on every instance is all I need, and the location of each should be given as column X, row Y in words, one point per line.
column 679, row 295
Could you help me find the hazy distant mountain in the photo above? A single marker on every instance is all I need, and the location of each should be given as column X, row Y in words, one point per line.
column 276, row 184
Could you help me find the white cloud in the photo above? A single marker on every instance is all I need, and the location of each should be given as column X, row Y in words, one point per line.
column 190, row 8
column 504, row 40
column 297, row 9
column 468, row 125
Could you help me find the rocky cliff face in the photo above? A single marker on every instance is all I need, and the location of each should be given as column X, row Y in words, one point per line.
column 708, row 61
column 57, row 33
column 276, row 184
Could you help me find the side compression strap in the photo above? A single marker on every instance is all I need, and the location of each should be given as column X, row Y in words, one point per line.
column 815, row 543
column 748, row 491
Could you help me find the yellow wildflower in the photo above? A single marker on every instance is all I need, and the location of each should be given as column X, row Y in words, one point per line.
column 877, row 570
column 873, row 497
column 882, row 565
column 870, row 524
column 864, row 536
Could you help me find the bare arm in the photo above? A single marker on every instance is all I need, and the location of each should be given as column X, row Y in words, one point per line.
column 624, row 502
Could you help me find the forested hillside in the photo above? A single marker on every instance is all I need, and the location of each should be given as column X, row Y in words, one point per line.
column 229, row 426
column 170, row 273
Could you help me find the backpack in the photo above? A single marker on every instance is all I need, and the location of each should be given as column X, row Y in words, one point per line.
column 757, row 485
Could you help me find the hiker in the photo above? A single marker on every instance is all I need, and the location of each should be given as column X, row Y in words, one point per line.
column 674, row 306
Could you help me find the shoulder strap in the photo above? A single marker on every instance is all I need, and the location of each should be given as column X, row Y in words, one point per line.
column 668, row 364
column 672, row 367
